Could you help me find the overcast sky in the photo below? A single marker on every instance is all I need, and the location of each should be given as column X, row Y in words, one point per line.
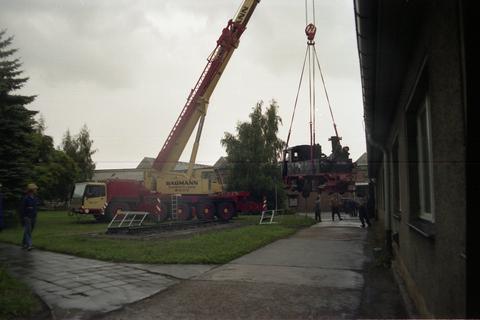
column 125, row 68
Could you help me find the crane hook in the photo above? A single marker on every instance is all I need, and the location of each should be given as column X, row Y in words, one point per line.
column 310, row 31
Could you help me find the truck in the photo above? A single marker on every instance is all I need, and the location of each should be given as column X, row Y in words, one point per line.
column 164, row 192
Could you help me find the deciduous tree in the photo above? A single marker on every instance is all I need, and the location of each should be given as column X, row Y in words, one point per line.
column 80, row 149
column 53, row 170
column 253, row 154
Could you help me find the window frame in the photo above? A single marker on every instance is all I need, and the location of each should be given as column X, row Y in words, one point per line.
column 395, row 189
column 422, row 164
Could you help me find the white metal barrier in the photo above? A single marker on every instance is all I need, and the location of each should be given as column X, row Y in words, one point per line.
column 268, row 216
column 124, row 219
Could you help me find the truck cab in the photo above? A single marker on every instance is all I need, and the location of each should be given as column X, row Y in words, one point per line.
column 89, row 198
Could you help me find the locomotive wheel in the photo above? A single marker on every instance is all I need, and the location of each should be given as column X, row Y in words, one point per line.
column 183, row 212
column 225, row 211
column 205, row 211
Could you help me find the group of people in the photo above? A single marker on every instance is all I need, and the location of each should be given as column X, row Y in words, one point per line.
column 336, row 204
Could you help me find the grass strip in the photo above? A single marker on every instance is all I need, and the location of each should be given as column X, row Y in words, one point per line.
column 56, row 231
column 16, row 299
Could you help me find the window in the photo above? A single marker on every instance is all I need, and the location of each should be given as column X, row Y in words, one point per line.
column 93, row 191
column 421, row 206
column 395, row 183
column 292, row 201
column 79, row 190
column 424, row 152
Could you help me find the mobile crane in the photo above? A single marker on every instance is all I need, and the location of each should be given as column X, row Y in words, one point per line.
column 165, row 192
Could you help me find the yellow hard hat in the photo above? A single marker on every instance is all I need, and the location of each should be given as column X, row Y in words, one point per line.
column 32, row 186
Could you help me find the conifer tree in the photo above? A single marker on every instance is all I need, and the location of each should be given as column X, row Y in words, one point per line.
column 16, row 124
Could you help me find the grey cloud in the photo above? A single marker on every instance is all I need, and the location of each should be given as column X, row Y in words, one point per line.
column 67, row 41
column 139, row 59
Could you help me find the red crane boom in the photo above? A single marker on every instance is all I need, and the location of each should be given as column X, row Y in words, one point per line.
column 196, row 105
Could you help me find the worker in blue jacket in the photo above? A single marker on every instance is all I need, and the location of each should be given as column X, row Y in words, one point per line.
column 29, row 215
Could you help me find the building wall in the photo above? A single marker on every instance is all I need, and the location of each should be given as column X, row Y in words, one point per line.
column 379, row 198
column 360, row 173
column 106, row 174
column 308, row 204
column 429, row 255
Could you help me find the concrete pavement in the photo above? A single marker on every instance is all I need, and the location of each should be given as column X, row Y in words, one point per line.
column 78, row 288
column 318, row 273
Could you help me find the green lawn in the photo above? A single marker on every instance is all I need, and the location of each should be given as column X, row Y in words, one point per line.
column 16, row 300
column 56, row 231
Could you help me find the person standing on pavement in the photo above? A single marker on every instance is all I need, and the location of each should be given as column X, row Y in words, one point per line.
column 318, row 211
column 29, row 215
column 353, row 207
column 335, row 205
column 363, row 212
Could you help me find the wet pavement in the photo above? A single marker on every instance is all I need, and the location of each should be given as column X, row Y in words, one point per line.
column 318, row 273
column 77, row 288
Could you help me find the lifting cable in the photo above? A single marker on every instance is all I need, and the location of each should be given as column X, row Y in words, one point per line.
column 310, row 31
column 326, row 93
column 311, row 89
column 296, row 98
column 313, row 12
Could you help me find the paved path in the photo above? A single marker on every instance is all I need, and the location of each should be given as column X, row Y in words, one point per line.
column 77, row 288
column 318, row 273
column 315, row 274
